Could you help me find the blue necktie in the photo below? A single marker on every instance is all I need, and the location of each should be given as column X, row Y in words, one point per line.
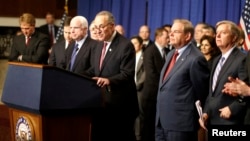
column 73, row 56
column 217, row 72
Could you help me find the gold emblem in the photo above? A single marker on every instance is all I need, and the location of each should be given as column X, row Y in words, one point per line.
column 24, row 130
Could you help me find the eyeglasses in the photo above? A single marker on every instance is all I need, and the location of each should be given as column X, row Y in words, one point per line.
column 101, row 27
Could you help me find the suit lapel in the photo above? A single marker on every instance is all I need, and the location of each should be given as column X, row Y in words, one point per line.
column 178, row 63
column 113, row 46
column 168, row 59
column 139, row 65
column 216, row 60
column 81, row 52
column 226, row 66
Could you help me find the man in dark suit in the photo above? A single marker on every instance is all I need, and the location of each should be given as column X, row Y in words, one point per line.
column 57, row 56
column 113, row 70
column 78, row 54
column 144, row 33
column 49, row 28
column 31, row 46
column 154, row 59
column 185, row 83
column 221, row 109
column 237, row 87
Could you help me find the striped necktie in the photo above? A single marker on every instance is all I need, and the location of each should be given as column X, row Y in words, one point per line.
column 217, row 72
column 73, row 56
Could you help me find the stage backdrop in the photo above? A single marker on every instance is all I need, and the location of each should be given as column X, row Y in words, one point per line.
column 134, row 13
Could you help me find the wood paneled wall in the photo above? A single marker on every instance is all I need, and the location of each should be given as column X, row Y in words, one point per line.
column 14, row 8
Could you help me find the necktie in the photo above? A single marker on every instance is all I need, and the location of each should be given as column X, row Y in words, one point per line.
column 73, row 56
column 27, row 40
column 51, row 34
column 171, row 64
column 163, row 51
column 217, row 72
column 103, row 54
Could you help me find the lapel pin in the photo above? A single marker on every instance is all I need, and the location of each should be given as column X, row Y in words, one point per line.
column 110, row 49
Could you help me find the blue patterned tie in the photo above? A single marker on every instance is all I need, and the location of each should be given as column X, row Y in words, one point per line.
column 73, row 56
column 217, row 72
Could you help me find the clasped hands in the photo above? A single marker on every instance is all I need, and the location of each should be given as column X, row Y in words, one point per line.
column 236, row 87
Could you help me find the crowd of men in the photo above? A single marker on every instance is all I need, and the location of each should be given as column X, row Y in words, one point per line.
column 150, row 86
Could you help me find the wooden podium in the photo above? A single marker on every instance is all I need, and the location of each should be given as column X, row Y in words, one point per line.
column 48, row 103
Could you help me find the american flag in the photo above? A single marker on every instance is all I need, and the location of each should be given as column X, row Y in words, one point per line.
column 245, row 24
column 60, row 30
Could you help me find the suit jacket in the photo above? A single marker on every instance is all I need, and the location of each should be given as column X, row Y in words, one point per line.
column 140, row 74
column 150, row 43
column 247, row 117
column 83, row 58
column 45, row 29
column 35, row 52
column 119, row 67
column 232, row 67
column 153, row 63
column 186, row 82
column 57, row 56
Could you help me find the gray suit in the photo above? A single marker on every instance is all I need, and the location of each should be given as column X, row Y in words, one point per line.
column 186, row 83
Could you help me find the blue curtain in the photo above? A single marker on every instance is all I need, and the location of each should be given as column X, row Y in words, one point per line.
column 209, row 11
column 134, row 13
column 130, row 14
column 223, row 10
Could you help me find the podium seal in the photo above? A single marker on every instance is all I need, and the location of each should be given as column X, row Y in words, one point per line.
column 24, row 130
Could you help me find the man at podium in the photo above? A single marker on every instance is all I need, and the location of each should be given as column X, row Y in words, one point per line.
column 113, row 70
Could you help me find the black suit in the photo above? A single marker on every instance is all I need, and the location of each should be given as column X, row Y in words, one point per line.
column 216, row 99
column 35, row 52
column 247, row 117
column 150, row 43
column 83, row 58
column 153, row 63
column 57, row 56
column 45, row 29
column 116, row 120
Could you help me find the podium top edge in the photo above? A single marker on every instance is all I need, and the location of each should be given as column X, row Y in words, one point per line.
column 29, row 64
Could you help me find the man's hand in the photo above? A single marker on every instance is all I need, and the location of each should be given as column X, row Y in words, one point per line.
column 20, row 58
column 203, row 121
column 225, row 112
column 101, row 82
column 236, row 87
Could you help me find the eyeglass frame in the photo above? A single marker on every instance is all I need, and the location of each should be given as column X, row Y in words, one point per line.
column 101, row 27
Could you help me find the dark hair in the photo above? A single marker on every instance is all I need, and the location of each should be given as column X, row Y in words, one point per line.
column 138, row 38
column 67, row 21
column 212, row 42
column 167, row 25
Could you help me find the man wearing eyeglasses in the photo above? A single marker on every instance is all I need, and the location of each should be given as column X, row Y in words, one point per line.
column 184, row 79
column 31, row 46
column 114, row 69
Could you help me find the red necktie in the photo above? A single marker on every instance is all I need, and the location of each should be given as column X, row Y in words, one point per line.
column 171, row 64
column 103, row 54
column 27, row 41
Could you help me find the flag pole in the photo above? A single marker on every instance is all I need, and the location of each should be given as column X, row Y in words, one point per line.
column 65, row 14
column 66, row 9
